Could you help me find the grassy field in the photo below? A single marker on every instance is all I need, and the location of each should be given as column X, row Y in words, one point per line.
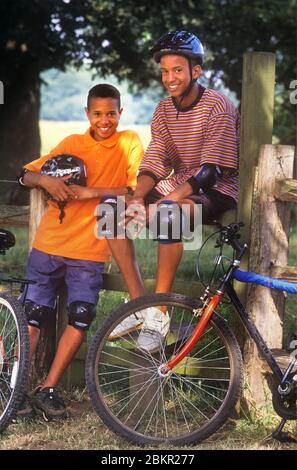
column 52, row 132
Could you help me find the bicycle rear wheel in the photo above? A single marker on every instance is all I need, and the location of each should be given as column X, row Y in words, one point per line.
column 186, row 406
column 14, row 357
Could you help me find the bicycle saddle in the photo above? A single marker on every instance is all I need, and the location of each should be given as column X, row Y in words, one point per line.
column 7, row 240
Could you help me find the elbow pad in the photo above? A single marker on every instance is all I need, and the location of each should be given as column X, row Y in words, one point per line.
column 205, row 178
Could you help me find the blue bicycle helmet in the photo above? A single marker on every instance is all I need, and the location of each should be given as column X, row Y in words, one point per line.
column 180, row 43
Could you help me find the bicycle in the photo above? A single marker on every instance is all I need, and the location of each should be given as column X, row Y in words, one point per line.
column 14, row 344
column 186, row 390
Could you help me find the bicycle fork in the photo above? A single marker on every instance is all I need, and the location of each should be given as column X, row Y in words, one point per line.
column 207, row 311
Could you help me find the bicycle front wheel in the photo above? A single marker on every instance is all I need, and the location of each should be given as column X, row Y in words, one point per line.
column 186, row 406
column 14, row 357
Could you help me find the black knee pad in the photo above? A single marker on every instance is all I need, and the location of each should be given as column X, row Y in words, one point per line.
column 169, row 222
column 81, row 314
column 36, row 314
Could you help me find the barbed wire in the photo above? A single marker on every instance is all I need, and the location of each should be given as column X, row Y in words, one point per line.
column 14, row 215
column 8, row 181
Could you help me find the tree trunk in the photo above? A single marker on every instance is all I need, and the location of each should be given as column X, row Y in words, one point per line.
column 19, row 128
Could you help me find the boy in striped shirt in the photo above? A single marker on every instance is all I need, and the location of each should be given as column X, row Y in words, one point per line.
column 192, row 159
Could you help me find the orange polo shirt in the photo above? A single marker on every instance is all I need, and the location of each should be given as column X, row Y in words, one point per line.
column 109, row 163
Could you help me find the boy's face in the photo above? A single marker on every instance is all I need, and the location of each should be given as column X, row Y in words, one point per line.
column 176, row 73
column 104, row 116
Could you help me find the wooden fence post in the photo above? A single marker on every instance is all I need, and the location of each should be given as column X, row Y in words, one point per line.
column 37, row 208
column 47, row 343
column 269, row 247
column 50, row 335
column 257, row 101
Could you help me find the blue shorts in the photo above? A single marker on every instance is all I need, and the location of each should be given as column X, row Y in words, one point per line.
column 83, row 278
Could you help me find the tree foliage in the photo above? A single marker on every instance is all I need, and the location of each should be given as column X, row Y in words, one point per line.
column 40, row 31
column 64, row 99
column 114, row 37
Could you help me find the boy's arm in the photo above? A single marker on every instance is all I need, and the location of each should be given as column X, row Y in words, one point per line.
column 83, row 193
column 182, row 192
column 56, row 187
column 145, row 184
column 31, row 176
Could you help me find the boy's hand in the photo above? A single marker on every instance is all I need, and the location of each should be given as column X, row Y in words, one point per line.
column 135, row 214
column 132, row 200
column 56, row 187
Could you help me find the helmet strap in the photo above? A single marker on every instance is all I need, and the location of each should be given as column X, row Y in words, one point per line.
column 187, row 90
column 61, row 206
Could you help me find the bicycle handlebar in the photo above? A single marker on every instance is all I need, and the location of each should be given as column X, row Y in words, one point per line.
column 229, row 235
column 7, row 240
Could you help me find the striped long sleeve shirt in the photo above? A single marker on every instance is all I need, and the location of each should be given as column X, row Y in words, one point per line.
column 206, row 133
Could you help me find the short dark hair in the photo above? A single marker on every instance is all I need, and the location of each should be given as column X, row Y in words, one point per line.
column 103, row 90
column 198, row 61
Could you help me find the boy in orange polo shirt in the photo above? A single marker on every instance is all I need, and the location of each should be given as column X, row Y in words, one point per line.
column 70, row 251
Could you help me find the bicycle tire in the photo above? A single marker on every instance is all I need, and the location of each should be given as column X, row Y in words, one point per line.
column 14, row 357
column 130, row 379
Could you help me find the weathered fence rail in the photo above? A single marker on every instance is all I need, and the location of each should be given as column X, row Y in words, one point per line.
column 16, row 216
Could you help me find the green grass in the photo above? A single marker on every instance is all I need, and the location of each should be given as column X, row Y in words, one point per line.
column 14, row 262
column 85, row 431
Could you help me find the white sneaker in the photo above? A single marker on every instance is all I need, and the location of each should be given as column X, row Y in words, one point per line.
column 155, row 328
column 131, row 323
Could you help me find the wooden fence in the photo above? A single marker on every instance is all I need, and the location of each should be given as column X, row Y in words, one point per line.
column 266, row 189
column 270, row 229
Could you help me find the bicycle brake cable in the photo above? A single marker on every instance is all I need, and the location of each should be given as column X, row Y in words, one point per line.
column 198, row 272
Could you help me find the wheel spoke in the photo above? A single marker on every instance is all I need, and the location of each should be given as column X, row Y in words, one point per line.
column 136, row 399
column 13, row 362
